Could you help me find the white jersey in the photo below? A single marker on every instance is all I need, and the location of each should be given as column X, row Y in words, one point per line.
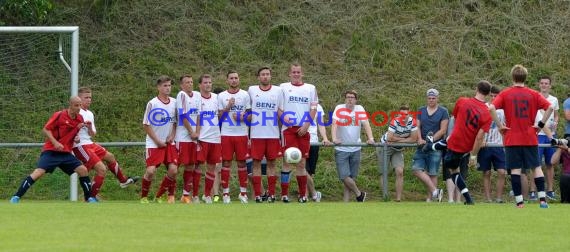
column 313, row 129
column 161, row 118
column 231, row 127
column 264, row 107
column 550, row 122
column 187, row 107
column 345, row 132
column 494, row 136
column 209, row 123
column 84, row 137
column 297, row 102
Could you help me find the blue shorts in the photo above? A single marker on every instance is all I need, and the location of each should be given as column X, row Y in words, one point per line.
column 491, row 156
column 347, row 164
column 427, row 161
column 545, row 152
column 49, row 160
column 521, row 157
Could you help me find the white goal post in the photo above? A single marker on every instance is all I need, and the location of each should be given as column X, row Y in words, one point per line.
column 73, row 69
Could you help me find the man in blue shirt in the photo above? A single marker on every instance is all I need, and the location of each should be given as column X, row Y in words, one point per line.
column 432, row 122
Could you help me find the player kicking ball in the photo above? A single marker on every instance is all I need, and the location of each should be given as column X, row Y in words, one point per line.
column 472, row 121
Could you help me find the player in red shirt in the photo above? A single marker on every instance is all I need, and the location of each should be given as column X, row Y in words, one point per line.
column 61, row 131
column 472, row 121
column 521, row 104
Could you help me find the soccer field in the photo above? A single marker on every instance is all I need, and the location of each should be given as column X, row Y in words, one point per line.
column 370, row 226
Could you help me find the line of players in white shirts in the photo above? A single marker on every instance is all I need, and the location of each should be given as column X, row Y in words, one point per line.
column 200, row 127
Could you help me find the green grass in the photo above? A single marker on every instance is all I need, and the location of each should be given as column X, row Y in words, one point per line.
column 371, row 226
column 390, row 51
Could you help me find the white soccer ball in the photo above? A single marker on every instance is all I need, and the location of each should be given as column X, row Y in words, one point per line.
column 293, row 155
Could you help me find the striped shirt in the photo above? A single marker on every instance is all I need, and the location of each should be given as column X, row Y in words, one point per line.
column 400, row 130
column 494, row 136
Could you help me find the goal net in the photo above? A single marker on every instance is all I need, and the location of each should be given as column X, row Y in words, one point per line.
column 35, row 81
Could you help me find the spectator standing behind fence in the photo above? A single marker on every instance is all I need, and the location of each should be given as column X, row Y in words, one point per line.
column 493, row 156
column 61, row 131
column 562, row 155
column 521, row 104
column 348, row 119
column 311, row 165
column 433, row 119
column 566, row 106
column 159, row 123
column 545, row 84
column 402, row 129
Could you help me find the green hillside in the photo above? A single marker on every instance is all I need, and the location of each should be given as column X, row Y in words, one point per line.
column 389, row 51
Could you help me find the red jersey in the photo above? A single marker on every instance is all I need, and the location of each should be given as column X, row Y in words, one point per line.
column 520, row 105
column 64, row 129
column 471, row 115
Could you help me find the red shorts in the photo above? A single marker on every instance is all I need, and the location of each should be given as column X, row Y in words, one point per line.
column 234, row 144
column 210, row 153
column 292, row 139
column 268, row 147
column 186, row 153
column 166, row 155
column 89, row 154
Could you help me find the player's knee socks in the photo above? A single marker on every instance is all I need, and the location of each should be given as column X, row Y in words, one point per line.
column 285, row 183
column 539, row 182
column 242, row 177
column 225, row 176
column 163, row 186
column 145, row 187
column 187, row 178
column 96, row 185
column 460, row 183
column 24, row 186
column 516, row 186
column 85, row 183
column 171, row 186
column 196, row 182
column 302, row 183
column 271, row 181
column 116, row 170
column 209, row 180
column 256, row 185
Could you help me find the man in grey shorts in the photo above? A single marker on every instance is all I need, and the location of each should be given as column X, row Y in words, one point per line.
column 402, row 129
column 348, row 119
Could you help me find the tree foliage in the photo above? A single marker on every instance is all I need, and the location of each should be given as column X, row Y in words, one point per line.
column 24, row 12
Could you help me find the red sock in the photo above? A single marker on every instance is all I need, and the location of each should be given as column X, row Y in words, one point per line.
column 209, row 180
column 163, row 186
column 225, row 178
column 145, row 187
column 302, row 183
column 96, row 185
column 242, row 177
column 171, row 187
column 115, row 169
column 256, row 185
column 271, row 181
column 196, row 183
column 187, row 177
